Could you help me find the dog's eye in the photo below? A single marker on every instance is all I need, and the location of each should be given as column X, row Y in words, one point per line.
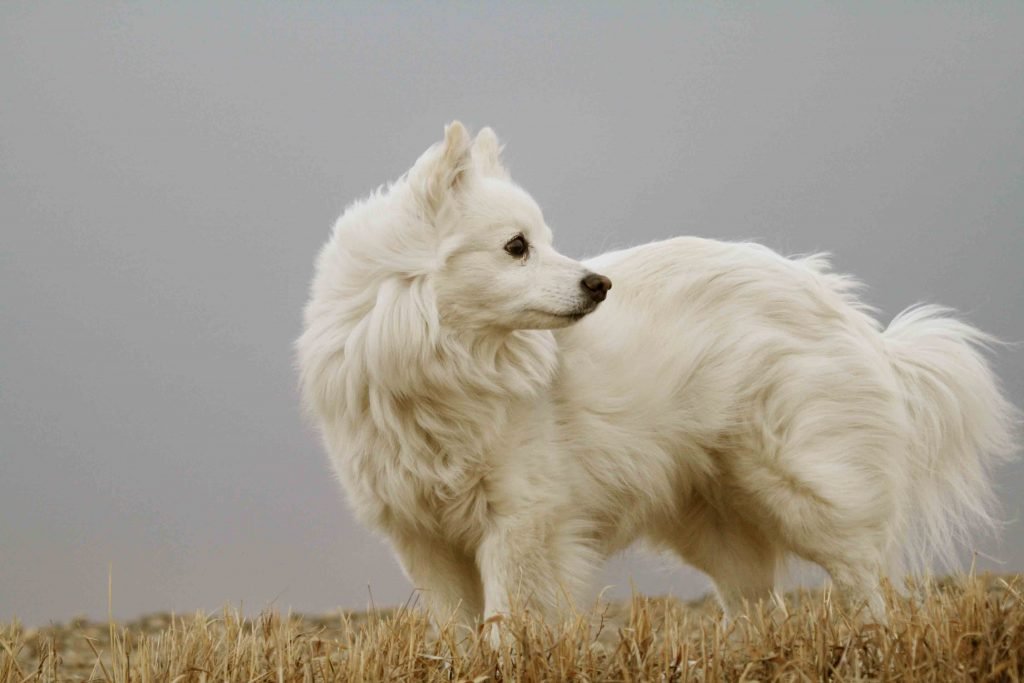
column 517, row 246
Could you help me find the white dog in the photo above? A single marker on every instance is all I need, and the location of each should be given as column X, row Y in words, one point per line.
column 508, row 428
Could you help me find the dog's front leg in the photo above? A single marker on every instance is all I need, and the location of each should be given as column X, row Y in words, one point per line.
column 516, row 571
column 447, row 577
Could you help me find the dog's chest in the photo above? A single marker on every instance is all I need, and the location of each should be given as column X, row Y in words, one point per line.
column 445, row 496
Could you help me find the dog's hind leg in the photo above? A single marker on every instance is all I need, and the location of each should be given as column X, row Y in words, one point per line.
column 837, row 520
column 852, row 556
column 741, row 561
column 856, row 577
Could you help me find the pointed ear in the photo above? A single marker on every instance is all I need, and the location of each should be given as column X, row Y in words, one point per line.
column 487, row 154
column 444, row 166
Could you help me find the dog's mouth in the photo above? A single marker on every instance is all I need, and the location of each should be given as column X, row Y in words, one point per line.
column 571, row 316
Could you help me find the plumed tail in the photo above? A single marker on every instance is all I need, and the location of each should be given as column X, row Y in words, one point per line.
column 962, row 426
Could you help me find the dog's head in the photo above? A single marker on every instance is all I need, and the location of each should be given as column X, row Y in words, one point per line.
column 496, row 267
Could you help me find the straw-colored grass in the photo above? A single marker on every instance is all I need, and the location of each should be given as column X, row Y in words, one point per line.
column 970, row 628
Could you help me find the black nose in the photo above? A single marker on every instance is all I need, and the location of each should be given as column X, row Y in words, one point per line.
column 596, row 286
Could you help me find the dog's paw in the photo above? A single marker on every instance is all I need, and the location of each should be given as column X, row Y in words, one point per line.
column 491, row 631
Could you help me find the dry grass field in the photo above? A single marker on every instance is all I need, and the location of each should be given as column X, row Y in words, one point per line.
column 969, row 628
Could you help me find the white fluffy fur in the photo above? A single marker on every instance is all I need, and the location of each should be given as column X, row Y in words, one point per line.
column 726, row 403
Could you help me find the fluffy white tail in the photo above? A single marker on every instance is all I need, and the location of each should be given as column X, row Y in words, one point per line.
column 963, row 426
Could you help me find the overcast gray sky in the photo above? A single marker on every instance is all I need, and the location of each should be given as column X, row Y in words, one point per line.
column 168, row 173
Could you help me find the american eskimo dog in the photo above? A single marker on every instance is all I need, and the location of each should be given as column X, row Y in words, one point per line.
column 509, row 417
